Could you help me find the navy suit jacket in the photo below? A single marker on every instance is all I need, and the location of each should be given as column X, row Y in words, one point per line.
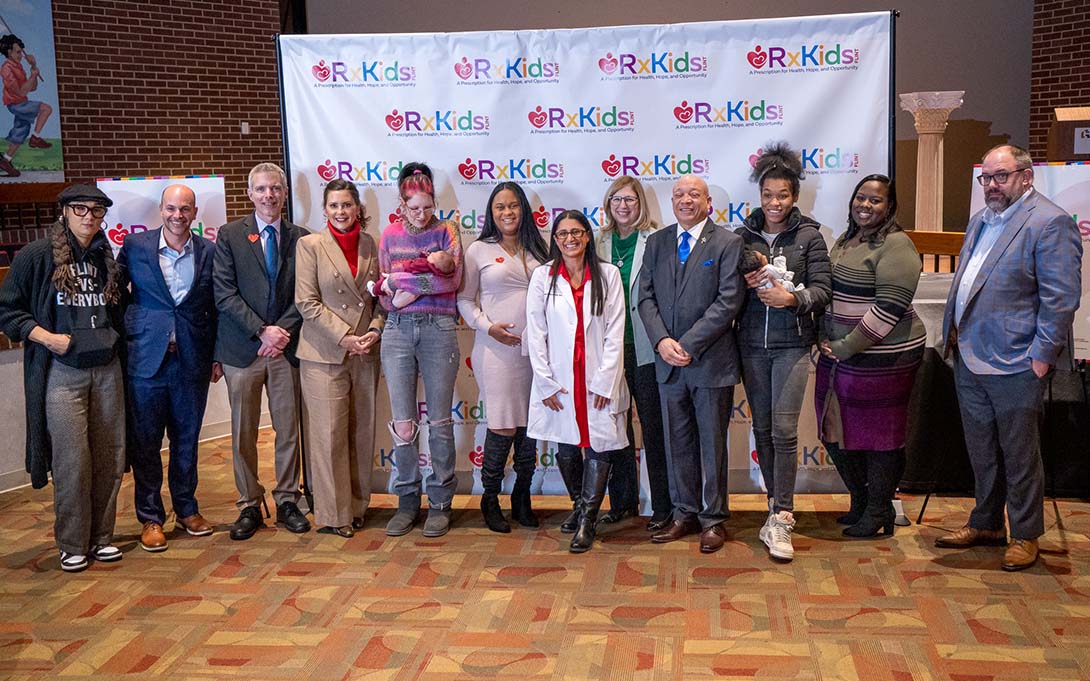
column 152, row 314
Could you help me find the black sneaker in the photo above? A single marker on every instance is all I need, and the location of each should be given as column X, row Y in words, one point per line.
column 289, row 515
column 249, row 521
column 73, row 562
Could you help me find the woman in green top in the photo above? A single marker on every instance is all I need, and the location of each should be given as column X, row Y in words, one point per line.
column 621, row 242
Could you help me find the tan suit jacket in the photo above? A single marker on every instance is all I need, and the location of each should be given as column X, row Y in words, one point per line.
column 332, row 302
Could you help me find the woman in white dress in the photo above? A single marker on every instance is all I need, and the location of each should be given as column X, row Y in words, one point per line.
column 492, row 301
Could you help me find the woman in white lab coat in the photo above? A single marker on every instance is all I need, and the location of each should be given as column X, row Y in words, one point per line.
column 575, row 338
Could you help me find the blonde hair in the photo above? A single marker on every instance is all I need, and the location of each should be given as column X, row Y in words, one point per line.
column 644, row 220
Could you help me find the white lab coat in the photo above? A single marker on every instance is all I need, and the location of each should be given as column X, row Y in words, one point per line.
column 550, row 341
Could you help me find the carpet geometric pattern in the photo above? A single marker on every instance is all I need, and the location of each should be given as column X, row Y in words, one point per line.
column 475, row 605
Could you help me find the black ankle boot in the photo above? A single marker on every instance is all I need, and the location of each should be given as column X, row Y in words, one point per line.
column 525, row 462
column 853, row 471
column 569, row 460
column 884, row 471
column 493, row 516
column 595, row 475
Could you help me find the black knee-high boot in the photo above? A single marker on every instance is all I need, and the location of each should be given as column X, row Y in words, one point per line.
column 884, row 470
column 525, row 462
column 852, row 468
column 496, row 448
column 595, row 475
column 569, row 460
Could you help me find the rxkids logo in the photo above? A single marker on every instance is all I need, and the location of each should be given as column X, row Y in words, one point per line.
column 438, row 123
column 511, row 70
column 461, row 412
column 580, row 119
column 543, row 217
column 734, row 214
column 669, row 64
column 816, row 57
column 656, row 166
column 119, row 231
column 810, row 456
column 737, row 113
column 378, row 73
column 524, row 170
column 367, row 173
column 829, row 160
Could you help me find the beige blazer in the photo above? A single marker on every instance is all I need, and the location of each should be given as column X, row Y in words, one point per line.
column 332, row 302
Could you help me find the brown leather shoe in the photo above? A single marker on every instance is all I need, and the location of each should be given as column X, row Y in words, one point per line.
column 676, row 530
column 152, row 537
column 967, row 537
column 1021, row 554
column 713, row 538
column 196, row 525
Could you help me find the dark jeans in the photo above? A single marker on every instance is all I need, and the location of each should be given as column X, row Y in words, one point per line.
column 775, row 380
column 624, row 475
column 172, row 401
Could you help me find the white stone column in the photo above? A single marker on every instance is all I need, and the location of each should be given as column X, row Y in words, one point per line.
column 930, row 111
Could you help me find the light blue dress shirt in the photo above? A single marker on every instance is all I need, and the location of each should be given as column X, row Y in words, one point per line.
column 177, row 268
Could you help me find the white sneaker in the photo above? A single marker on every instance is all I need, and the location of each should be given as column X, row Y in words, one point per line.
column 777, row 535
column 73, row 562
column 107, row 553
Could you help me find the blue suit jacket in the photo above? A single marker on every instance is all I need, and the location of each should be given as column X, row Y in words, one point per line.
column 1023, row 300
column 152, row 314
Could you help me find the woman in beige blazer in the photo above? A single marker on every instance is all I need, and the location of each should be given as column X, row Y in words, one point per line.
column 338, row 367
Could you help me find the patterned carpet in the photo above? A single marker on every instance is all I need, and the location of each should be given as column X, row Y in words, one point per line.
column 477, row 605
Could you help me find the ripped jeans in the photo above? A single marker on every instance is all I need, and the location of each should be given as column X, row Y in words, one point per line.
column 426, row 343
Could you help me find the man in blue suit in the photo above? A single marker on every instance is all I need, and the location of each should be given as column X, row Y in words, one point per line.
column 170, row 326
column 1008, row 320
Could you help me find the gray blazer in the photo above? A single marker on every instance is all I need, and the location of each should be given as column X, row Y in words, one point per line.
column 1023, row 301
column 695, row 304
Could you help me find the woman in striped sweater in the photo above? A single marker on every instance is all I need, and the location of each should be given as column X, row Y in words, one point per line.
column 872, row 342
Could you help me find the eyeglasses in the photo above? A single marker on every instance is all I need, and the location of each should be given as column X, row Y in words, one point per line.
column 626, row 200
column 81, row 210
column 570, row 234
column 418, row 211
column 1000, row 178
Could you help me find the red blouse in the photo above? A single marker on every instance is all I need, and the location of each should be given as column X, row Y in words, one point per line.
column 579, row 357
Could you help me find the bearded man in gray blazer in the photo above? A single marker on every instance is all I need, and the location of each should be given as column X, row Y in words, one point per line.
column 1008, row 319
column 690, row 293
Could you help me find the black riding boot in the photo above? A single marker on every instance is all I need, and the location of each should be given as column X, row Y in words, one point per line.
column 853, row 471
column 495, row 458
column 525, row 462
column 569, row 459
column 595, row 475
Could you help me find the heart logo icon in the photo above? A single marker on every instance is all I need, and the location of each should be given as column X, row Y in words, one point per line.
column 753, row 455
column 469, row 363
column 327, row 171
column 463, row 69
column 252, row 238
column 320, row 71
column 607, row 64
column 476, row 457
column 683, row 113
column 468, row 170
column 538, row 118
column 612, row 166
column 541, row 217
column 395, row 216
column 753, row 158
column 394, row 120
column 117, row 234
column 757, row 58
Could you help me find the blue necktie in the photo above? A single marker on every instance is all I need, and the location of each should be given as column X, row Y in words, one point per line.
column 684, row 248
column 270, row 270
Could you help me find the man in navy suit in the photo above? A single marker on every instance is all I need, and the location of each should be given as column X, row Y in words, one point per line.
column 170, row 327
column 1008, row 323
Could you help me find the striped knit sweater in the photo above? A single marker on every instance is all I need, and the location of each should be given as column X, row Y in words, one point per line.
column 871, row 313
column 400, row 244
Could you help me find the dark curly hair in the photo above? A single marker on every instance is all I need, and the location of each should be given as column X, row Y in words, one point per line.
column 778, row 162
column 888, row 226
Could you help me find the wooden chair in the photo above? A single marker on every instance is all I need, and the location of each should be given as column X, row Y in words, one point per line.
column 938, row 250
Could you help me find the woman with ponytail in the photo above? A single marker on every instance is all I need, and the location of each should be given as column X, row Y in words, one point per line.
column 776, row 329
column 62, row 299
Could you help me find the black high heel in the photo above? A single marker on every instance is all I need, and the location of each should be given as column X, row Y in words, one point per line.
column 869, row 526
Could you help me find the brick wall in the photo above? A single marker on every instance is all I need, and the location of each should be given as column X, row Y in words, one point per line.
column 1060, row 74
column 160, row 88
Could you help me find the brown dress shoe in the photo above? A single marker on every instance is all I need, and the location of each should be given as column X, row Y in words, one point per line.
column 1021, row 554
column 196, row 525
column 152, row 537
column 713, row 538
column 676, row 530
column 967, row 537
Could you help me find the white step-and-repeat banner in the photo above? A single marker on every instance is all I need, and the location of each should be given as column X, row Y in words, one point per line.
column 564, row 113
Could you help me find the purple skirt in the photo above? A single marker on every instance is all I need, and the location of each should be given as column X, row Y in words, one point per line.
column 872, row 403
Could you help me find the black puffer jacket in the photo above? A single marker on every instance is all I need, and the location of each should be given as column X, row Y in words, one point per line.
column 808, row 257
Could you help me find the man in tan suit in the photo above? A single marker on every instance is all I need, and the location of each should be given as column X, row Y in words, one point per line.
column 338, row 359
